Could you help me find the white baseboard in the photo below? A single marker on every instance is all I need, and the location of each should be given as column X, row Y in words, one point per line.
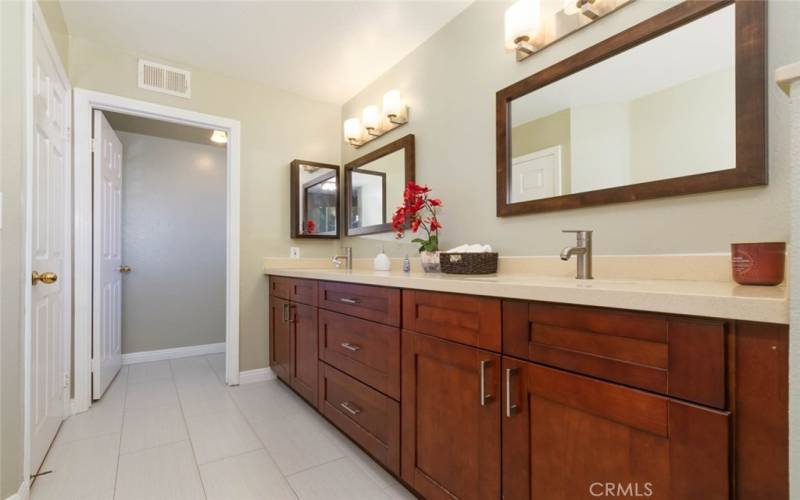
column 22, row 492
column 174, row 353
column 257, row 375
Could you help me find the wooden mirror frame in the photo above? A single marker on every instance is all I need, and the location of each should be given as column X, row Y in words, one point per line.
column 294, row 198
column 406, row 143
column 751, row 127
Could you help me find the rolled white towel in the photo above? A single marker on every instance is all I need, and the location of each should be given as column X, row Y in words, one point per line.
column 468, row 248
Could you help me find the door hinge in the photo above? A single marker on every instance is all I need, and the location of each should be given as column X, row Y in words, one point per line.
column 66, row 380
column 94, row 145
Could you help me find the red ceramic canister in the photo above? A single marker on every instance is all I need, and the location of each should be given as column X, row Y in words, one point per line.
column 758, row 263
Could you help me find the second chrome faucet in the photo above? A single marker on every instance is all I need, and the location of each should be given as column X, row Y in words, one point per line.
column 583, row 249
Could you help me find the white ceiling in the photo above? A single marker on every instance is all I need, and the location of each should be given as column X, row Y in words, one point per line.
column 326, row 50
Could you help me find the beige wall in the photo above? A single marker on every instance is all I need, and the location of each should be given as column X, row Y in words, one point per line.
column 11, row 238
column 277, row 127
column 450, row 83
column 686, row 129
column 54, row 17
column 173, row 236
column 545, row 132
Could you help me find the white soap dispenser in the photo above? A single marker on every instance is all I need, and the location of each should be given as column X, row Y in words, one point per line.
column 382, row 262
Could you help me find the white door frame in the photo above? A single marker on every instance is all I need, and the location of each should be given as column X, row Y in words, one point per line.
column 85, row 102
column 34, row 21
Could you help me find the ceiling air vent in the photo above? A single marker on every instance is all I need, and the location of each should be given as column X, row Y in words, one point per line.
column 165, row 79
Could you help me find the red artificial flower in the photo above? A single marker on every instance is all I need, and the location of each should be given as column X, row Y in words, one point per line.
column 415, row 224
column 435, row 202
column 435, row 225
column 310, row 226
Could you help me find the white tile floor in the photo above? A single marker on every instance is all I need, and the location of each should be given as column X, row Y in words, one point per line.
column 173, row 430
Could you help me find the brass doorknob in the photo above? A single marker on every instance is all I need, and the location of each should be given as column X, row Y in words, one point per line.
column 47, row 278
column 125, row 269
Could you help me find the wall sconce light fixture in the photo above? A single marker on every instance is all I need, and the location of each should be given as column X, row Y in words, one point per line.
column 529, row 28
column 523, row 23
column 375, row 122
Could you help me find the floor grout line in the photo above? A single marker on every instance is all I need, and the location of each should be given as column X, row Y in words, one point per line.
column 121, row 430
column 189, row 435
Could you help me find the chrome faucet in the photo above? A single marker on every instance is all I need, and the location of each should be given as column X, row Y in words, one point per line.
column 347, row 257
column 583, row 250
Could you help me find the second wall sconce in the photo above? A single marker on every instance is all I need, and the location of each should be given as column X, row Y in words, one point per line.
column 375, row 122
column 531, row 25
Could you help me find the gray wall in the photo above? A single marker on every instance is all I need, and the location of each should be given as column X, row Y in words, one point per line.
column 450, row 83
column 173, row 236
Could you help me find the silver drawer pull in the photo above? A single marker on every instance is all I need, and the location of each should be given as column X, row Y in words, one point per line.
column 484, row 397
column 511, row 408
column 350, row 347
column 350, row 408
column 349, row 301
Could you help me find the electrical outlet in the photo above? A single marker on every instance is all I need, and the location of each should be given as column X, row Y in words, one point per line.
column 294, row 252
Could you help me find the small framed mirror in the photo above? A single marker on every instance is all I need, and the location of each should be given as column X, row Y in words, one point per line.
column 314, row 199
column 374, row 186
column 672, row 106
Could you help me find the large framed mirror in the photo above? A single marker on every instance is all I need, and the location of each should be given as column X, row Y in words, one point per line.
column 374, row 185
column 314, row 200
column 672, row 106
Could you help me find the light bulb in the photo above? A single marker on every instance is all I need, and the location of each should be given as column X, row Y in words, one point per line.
column 352, row 130
column 371, row 117
column 220, row 137
column 392, row 103
column 522, row 22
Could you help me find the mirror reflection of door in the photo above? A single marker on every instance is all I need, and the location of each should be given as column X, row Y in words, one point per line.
column 368, row 202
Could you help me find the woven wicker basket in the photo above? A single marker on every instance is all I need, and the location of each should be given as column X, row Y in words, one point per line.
column 468, row 263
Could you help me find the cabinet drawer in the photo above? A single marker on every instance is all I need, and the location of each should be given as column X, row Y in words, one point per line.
column 465, row 319
column 371, row 419
column 296, row 290
column 374, row 303
column 681, row 357
column 365, row 350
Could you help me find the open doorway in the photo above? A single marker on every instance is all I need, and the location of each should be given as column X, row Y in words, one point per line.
column 156, row 274
column 159, row 244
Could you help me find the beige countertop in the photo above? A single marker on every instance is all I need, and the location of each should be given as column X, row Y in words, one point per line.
column 720, row 299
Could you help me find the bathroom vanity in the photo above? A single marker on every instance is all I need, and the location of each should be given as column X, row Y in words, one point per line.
column 504, row 387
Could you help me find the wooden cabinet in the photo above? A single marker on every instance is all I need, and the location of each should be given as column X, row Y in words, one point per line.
column 370, row 419
column 363, row 349
column 450, row 419
column 677, row 356
column 374, row 303
column 461, row 318
column 293, row 335
column 280, row 339
column 303, row 326
column 567, row 436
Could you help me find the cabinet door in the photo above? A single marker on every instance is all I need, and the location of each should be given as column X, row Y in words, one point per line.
column 280, row 339
column 303, row 320
column 568, row 436
column 450, row 419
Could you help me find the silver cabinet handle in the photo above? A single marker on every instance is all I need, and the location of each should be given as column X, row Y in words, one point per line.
column 484, row 397
column 349, row 301
column 350, row 408
column 291, row 316
column 511, row 408
column 350, row 347
column 285, row 313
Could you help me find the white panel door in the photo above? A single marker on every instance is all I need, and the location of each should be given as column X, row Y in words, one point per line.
column 49, row 219
column 107, row 296
column 536, row 175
